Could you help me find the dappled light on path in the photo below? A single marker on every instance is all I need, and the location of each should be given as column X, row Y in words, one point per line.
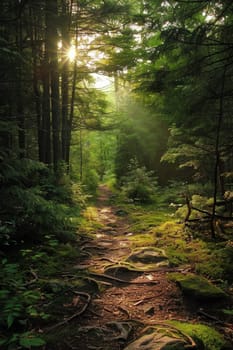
column 128, row 294
column 125, row 289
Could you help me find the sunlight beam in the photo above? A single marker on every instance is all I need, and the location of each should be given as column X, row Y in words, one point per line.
column 71, row 53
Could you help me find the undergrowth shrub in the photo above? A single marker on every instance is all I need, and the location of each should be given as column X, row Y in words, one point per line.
column 176, row 191
column 18, row 306
column 91, row 180
column 32, row 202
column 139, row 184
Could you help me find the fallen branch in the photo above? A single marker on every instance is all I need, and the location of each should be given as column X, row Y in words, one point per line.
column 79, row 313
column 217, row 216
column 209, row 215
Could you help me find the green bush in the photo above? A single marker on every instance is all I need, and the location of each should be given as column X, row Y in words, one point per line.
column 91, row 180
column 139, row 184
column 29, row 207
column 18, row 309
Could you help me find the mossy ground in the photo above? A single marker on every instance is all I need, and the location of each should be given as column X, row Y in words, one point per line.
column 148, row 226
column 205, row 337
column 160, row 229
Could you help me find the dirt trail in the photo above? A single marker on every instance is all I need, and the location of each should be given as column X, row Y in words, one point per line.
column 145, row 298
column 112, row 303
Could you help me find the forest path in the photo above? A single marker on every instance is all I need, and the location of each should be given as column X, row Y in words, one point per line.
column 119, row 310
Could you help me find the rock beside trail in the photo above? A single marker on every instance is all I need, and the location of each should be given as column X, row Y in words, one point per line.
column 149, row 255
column 160, row 338
column 197, row 287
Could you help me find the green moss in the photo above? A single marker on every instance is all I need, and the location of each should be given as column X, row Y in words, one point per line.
column 169, row 227
column 202, row 335
column 145, row 219
column 197, row 286
column 176, row 257
column 219, row 264
column 140, row 240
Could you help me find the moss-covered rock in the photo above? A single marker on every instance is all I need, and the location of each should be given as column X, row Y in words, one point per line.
column 204, row 336
column 197, row 287
column 176, row 335
column 160, row 338
column 149, row 255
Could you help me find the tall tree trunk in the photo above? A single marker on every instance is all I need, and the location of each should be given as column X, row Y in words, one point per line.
column 217, row 152
column 71, row 114
column 19, row 95
column 52, row 28
column 45, row 133
column 81, row 153
column 65, row 76
column 34, row 37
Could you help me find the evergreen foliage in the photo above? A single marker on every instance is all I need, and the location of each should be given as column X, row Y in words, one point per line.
column 30, row 208
column 139, row 184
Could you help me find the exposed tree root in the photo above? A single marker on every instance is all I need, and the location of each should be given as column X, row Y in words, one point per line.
column 112, row 278
column 124, row 329
column 125, row 311
column 80, row 312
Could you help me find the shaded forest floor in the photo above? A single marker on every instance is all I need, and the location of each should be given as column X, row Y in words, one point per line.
column 118, row 299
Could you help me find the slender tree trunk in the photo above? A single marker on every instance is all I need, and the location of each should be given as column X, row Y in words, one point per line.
column 71, row 116
column 36, row 89
column 19, row 96
column 52, row 27
column 217, row 153
column 81, row 153
column 65, row 77
column 116, row 90
column 45, row 132
column 46, row 124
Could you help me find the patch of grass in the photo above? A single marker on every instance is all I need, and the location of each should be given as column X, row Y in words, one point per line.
column 89, row 221
column 146, row 218
column 204, row 336
column 176, row 257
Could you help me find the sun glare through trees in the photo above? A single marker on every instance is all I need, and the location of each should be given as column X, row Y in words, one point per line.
column 71, row 53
